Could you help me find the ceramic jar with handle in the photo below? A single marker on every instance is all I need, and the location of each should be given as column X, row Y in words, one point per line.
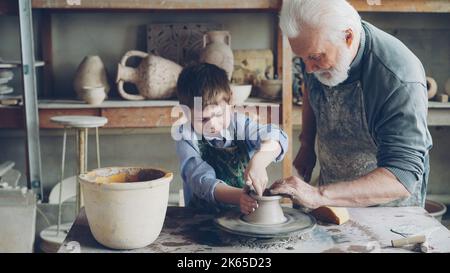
column 155, row 77
column 217, row 50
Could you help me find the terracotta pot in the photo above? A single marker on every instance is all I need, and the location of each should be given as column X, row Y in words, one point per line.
column 155, row 77
column 126, row 206
column 431, row 87
column 217, row 50
column 269, row 211
column 90, row 72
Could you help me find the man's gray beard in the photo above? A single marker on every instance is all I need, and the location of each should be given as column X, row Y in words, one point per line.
column 339, row 73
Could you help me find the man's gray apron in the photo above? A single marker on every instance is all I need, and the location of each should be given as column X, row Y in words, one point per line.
column 347, row 150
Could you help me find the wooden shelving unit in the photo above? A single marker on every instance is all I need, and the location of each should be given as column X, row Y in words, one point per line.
column 157, row 113
column 439, row 6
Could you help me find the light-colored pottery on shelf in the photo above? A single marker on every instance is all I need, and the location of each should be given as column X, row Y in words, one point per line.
column 431, row 87
column 252, row 66
column 5, row 89
column 270, row 89
column 155, row 77
column 217, row 50
column 5, row 76
column 239, row 93
column 93, row 95
column 126, row 206
column 90, row 72
column 269, row 211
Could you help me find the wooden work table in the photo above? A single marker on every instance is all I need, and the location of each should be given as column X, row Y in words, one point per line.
column 368, row 228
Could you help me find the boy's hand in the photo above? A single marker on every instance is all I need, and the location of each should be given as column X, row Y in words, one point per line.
column 247, row 204
column 256, row 175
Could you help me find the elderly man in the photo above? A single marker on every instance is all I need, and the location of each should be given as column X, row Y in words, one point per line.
column 366, row 101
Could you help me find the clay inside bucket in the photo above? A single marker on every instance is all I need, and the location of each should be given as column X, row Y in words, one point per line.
column 269, row 211
column 125, row 175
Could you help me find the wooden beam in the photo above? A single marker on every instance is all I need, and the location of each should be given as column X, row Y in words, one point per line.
column 438, row 6
column 9, row 7
column 159, row 4
column 287, row 103
column 141, row 117
column 45, row 115
column 11, row 117
column 47, row 53
column 435, row 6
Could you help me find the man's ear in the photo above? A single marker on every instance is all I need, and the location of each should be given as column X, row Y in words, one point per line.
column 349, row 37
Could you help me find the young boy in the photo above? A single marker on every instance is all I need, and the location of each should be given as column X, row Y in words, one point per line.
column 225, row 151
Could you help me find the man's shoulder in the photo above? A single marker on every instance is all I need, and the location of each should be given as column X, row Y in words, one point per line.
column 390, row 60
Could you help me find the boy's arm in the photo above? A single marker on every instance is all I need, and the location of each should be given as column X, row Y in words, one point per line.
column 227, row 194
column 195, row 172
column 267, row 144
column 267, row 138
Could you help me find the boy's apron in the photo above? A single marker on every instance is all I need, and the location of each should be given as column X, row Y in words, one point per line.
column 229, row 164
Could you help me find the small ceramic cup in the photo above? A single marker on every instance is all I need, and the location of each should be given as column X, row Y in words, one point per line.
column 269, row 211
column 94, row 95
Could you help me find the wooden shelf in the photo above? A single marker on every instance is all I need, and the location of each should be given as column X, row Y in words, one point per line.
column 199, row 5
column 432, row 6
column 435, row 6
column 120, row 113
column 14, row 64
column 438, row 114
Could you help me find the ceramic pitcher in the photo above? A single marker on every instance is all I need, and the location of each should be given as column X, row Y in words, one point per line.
column 217, row 50
column 155, row 77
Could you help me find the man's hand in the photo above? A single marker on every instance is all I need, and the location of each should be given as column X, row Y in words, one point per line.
column 305, row 161
column 256, row 175
column 247, row 203
column 301, row 192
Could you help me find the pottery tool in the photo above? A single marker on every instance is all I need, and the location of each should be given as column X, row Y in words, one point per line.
column 420, row 239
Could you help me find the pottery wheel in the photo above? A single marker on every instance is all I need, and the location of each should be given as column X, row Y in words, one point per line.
column 297, row 222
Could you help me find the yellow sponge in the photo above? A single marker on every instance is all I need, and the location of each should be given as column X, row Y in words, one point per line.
column 335, row 215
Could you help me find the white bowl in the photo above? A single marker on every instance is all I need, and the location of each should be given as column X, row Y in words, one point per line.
column 94, row 95
column 239, row 93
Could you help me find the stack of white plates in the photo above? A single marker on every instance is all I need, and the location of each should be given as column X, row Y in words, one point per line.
column 5, row 76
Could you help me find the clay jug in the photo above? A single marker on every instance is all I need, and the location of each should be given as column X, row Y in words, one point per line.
column 217, row 50
column 155, row 77
column 90, row 72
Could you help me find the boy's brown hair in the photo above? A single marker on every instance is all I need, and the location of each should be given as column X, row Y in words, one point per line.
column 203, row 80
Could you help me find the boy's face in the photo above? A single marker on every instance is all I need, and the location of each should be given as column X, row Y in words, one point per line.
column 211, row 120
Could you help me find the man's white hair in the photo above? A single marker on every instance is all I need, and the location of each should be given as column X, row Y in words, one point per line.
column 330, row 17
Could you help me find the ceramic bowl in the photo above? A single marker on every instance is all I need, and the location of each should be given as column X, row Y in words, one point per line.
column 5, row 76
column 239, row 93
column 270, row 89
column 93, row 95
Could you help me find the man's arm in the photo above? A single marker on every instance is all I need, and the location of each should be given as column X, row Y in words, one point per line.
column 377, row 187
